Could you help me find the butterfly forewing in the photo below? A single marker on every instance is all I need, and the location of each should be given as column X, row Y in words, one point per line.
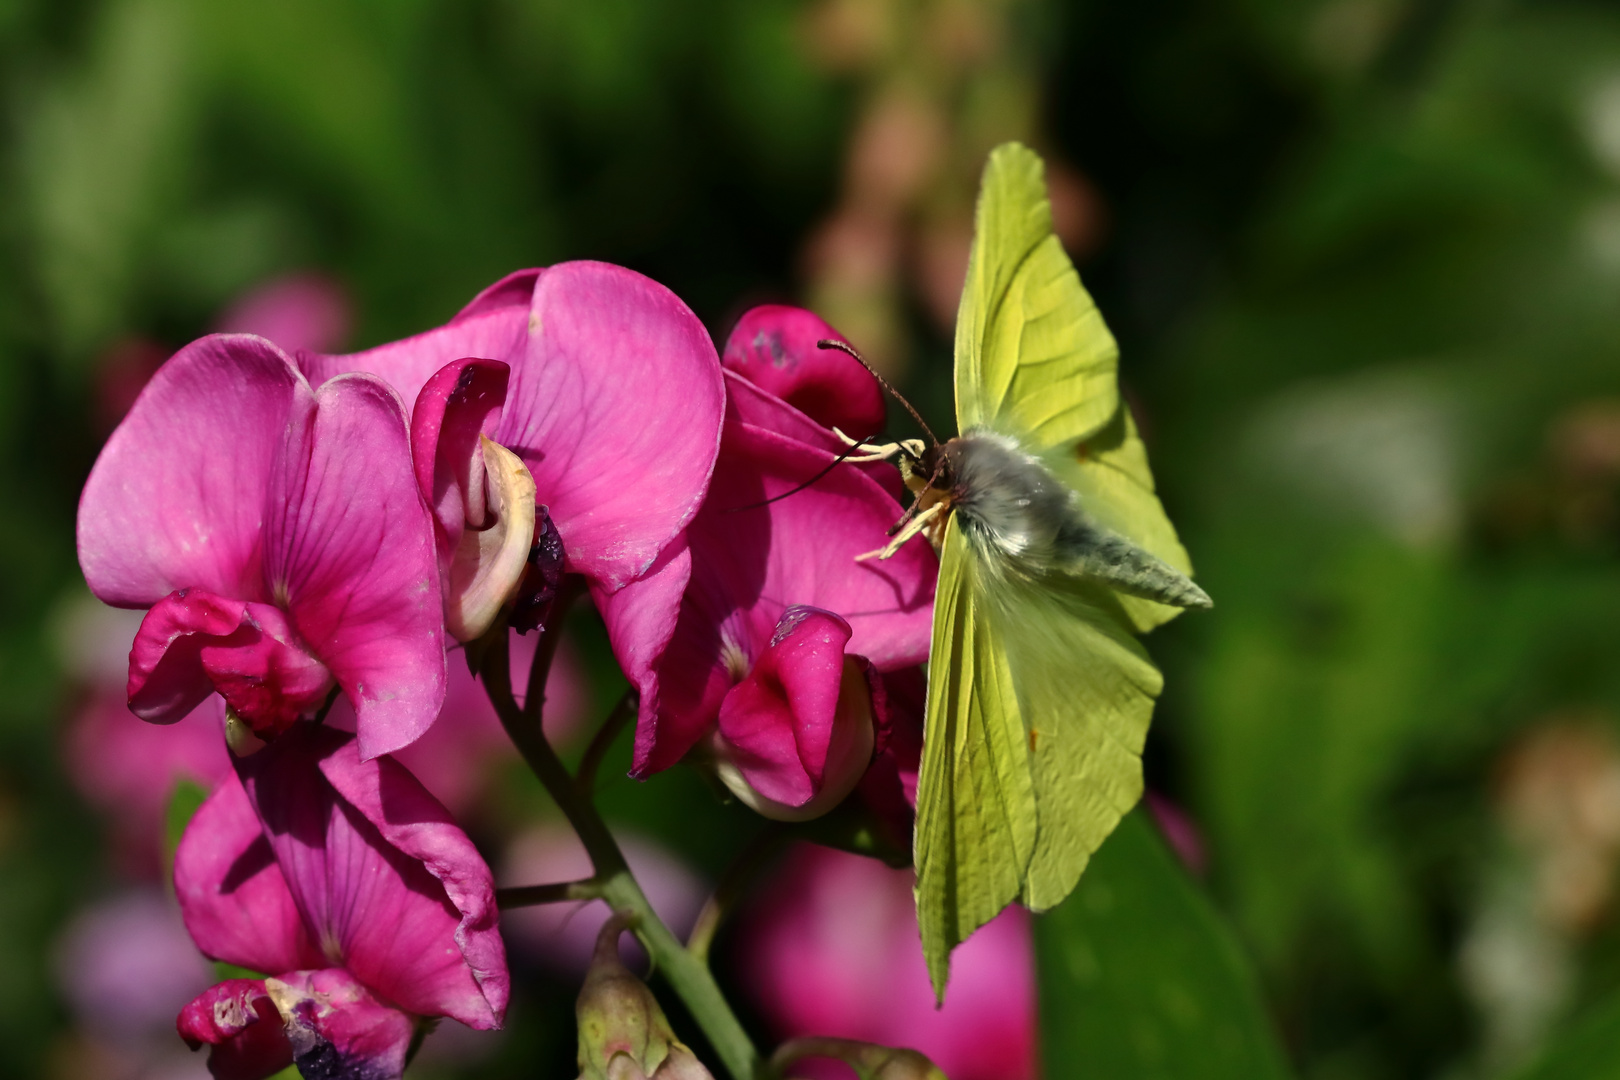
column 1033, row 356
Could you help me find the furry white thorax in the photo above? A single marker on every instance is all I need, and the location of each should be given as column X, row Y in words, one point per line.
column 1009, row 500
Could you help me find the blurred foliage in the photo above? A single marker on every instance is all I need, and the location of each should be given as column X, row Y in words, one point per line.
column 1363, row 257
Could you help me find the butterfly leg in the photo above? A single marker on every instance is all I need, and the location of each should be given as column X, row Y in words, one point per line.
column 879, row 451
column 912, row 528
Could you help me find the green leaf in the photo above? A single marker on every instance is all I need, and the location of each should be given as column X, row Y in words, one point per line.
column 1141, row 979
column 1589, row 1051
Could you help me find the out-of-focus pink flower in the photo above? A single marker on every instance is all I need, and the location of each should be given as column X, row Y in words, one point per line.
column 774, row 347
column 779, row 621
column 351, row 884
column 832, row 949
column 1180, row 832
column 133, row 939
column 561, row 937
column 299, row 312
column 276, row 534
column 614, row 405
column 124, row 767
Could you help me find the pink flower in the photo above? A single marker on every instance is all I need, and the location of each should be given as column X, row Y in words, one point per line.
column 833, row 950
column 299, row 312
column 780, row 627
column 351, row 885
column 276, row 535
column 614, row 405
column 774, row 347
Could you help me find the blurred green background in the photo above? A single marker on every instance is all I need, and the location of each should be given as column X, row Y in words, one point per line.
column 1363, row 258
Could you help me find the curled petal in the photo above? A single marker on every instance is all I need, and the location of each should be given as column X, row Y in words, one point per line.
column 774, row 347
column 241, row 1025
column 232, row 894
column 616, row 409
column 193, row 643
column 641, row 620
column 798, row 730
column 382, row 876
column 176, row 498
column 489, row 564
column 338, row 1029
column 458, row 405
column 349, row 552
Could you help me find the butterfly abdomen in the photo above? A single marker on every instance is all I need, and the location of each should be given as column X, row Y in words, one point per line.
column 1028, row 522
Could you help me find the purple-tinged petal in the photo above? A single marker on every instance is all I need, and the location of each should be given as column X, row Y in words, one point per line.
column 889, row 788
column 798, row 729
column 348, row 550
column 616, row 409
column 193, row 643
column 393, row 890
column 495, row 326
column 177, row 496
column 240, row 1024
column 232, row 894
column 774, row 347
column 338, row 1029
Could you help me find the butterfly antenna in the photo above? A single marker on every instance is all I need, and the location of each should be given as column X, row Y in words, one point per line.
column 843, row 346
column 837, row 461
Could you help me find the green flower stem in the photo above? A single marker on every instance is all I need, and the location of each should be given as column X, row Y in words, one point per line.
column 688, row 976
column 550, row 893
column 733, row 886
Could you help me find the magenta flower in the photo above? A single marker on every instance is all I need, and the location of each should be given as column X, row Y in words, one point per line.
column 780, row 625
column 352, row 888
column 774, row 347
column 276, row 535
column 299, row 312
column 832, row 949
column 614, row 405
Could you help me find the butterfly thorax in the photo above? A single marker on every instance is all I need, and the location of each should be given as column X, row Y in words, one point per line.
column 1008, row 502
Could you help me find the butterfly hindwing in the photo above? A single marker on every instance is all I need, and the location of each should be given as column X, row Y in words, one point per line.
column 976, row 815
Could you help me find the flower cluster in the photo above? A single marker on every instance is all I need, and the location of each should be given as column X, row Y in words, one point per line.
column 311, row 535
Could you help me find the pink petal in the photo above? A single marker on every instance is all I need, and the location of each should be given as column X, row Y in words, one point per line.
column 338, row 1029
column 798, row 730
column 615, row 408
column 641, row 621
column 349, row 548
column 298, row 312
column 383, row 877
column 774, row 347
column 232, row 893
column 193, row 643
column 460, row 402
column 240, row 1024
column 750, row 562
column 176, row 498
column 833, row 950
column 494, row 326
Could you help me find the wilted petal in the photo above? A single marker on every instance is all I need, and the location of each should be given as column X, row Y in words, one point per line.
column 242, row 1027
column 774, row 347
column 193, row 643
column 390, row 886
column 615, row 407
column 798, row 729
column 232, row 894
column 177, row 496
column 348, row 550
column 338, row 1029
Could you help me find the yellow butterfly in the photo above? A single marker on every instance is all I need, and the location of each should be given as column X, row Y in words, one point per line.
column 1054, row 553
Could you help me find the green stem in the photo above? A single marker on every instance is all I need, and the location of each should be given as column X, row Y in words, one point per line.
column 550, row 893
column 602, row 742
column 688, row 976
column 733, row 885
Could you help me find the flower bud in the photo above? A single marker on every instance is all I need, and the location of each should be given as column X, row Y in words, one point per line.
column 870, row 1061
column 623, row 1034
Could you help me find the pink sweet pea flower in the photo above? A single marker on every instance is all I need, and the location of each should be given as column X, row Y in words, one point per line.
column 774, row 347
column 276, row 535
column 781, row 629
column 353, row 888
column 614, row 405
column 300, row 312
column 832, row 949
